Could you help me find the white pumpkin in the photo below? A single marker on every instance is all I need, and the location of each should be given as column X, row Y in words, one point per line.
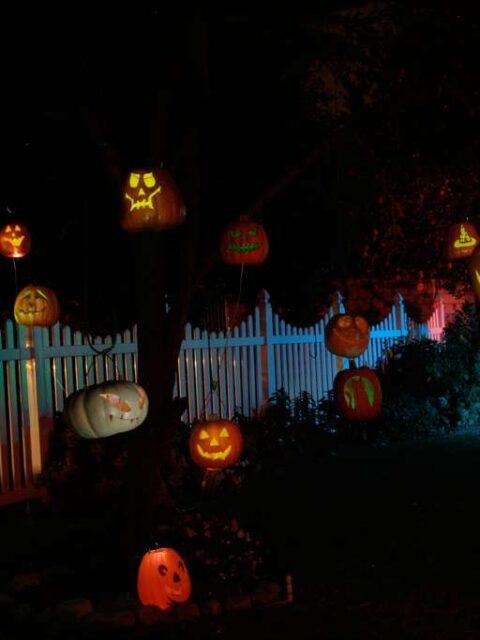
column 103, row 410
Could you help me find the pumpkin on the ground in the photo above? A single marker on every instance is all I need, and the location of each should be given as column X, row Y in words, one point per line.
column 163, row 579
column 102, row 410
column 215, row 444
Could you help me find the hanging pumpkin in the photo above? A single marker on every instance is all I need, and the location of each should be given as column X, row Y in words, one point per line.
column 462, row 240
column 215, row 444
column 347, row 335
column 102, row 410
column 163, row 579
column 36, row 307
column 358, row 393
column 14, row 240
column 151, row 201
column 244, row 242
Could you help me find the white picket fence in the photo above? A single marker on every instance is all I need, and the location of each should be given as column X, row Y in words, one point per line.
column 220, row 373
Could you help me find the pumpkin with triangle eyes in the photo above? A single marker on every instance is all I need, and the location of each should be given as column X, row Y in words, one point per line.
column 215, row 444
column 151, row 201
column 36, row 307
column 346, row 335
column 163, row 579
column 14, row 240
column 244, row 242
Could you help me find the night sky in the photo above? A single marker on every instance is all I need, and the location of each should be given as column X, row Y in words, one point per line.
column 80, row 86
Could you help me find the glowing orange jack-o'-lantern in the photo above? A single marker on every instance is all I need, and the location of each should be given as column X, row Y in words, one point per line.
column 215, row 444
column 244, row 242
column 151, row 201
column 14, row 240
column 462, row 240
column 102, row 410
column 346, row 335
column 36, row 306
column 163, row 579
column 358, row 393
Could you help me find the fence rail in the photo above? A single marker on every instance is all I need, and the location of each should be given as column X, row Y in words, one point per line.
column 218, row 373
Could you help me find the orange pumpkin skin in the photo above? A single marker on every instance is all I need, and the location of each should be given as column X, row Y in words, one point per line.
column 358, row 393
column 151, row 201
column 163, row 579
column 14, row 240
column 462, row 240
column 346, row 335
column 215, row 444
column 244, row 242
column 474, row 267
column 36, row 307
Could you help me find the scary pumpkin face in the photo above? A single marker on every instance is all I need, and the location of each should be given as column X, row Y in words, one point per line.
column 14, row 240
column 151, row 201
column 346, row 335
column 102, row 410
column 163, row 579
column 215, row 444
column 462, row 240
column 358, row 393
column 36, row 307
column 244, row 242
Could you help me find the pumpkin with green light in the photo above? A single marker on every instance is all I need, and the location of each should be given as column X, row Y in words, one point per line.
column 14, row 240
column 163, row 579
column 358, row 393
column 151, row 201
column 347, row 335
column 244, row 242
column 215, row 444
column 462, row 240
column 36, row 307
column 103, row 410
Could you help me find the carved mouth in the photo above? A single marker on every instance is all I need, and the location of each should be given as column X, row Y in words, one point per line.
column 16, row 242
column 214, row 455
column 244, row 247
column 477, row 275
column 145, row 203
column 173, row 592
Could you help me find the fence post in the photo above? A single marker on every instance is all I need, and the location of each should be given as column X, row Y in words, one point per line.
column 400, row 316
column 33, row 412
column 339, row 307
column 266, row 327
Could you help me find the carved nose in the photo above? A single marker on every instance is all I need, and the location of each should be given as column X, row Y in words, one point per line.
column 141, row 192
column 214, row 442
column 176, row 577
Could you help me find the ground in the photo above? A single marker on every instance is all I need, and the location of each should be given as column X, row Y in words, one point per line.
column 380, row 542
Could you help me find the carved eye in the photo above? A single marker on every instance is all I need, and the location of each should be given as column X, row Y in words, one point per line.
column 8, row 229
column 235, row 234
column 162, row 569
column 134, row 180
column 203, row 435
column 253, row 232
column 344, row 322
column 361, row 324
column 17, row 228
column 149, row 180
column 224, row 433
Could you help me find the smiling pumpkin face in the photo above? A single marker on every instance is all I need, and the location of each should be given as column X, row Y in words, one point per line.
column 163, row 579
column 14, row 240
column 347, row 335
column 36, row 306
column 215, row 444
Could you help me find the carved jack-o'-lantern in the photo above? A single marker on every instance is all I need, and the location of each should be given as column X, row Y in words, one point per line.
column 151, row 201
column 163, row 579
column 36, row 306
column 102, row 410
column 347, row 335
column 358, row 393
column 14, row 240
column 462, row 240
column 215, row 444
column 244, row 242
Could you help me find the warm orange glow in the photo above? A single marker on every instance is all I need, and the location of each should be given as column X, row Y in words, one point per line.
column 163, row 579
column 14, row 240
column 36, row 306
column 216, row 444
